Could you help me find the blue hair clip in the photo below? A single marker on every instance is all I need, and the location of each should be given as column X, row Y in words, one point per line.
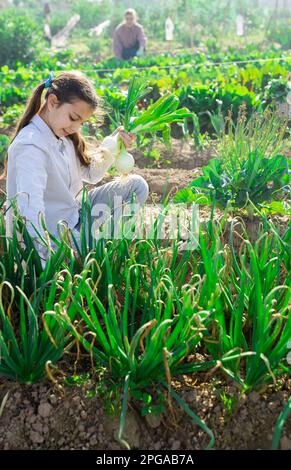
column 49, row 81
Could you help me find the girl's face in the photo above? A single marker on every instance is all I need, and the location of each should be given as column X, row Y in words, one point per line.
column 67, row 118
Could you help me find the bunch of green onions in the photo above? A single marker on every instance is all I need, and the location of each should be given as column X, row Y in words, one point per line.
column 156, row 118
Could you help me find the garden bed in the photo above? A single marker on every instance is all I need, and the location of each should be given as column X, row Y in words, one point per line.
column 43, row 416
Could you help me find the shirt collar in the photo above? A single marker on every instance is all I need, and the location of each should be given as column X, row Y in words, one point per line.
column 46, row 130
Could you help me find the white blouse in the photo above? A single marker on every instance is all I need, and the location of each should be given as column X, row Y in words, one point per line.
column 45, row 176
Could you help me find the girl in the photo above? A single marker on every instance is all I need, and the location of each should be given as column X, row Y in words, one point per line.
column 48, row 159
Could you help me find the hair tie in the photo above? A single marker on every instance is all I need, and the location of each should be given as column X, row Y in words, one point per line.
column 49, row 81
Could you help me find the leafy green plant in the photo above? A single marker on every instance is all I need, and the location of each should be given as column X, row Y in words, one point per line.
column 12, row 114
column 4, row 142
column 217, row 119
column 229, row 402
column 235, row 309
column 253, row 315
column 198, row 139
column 258, row 181
column 211, row 102
column 19, row 37
column 137, row 347
column 248, row 168
column 280, row 424
column 19, row 255
column 30, row 336
column 157, row 116
column 277, row 90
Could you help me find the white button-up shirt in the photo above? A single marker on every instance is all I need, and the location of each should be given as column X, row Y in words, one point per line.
column 45, row 175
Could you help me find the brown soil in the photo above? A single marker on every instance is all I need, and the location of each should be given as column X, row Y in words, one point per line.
column 183, row 156
column 40, row 417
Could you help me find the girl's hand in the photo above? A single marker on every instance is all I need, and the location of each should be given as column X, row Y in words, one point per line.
column 127, row 137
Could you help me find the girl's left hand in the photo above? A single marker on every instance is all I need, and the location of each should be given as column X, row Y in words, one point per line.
column 127, row 137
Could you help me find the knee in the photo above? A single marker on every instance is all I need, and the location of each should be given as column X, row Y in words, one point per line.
column 140, row 187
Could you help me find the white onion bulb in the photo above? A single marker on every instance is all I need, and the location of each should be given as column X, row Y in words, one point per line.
column 124, row 163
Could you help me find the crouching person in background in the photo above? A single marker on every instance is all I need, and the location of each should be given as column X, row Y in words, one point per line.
column 129, row 39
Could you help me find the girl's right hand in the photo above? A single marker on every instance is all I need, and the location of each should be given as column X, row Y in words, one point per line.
column 127, row 137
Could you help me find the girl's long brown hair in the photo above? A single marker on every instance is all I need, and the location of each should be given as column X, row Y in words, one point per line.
column 68, row 87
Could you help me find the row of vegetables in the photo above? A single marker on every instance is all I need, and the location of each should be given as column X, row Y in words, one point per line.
column 197, row 83
column 145, row 313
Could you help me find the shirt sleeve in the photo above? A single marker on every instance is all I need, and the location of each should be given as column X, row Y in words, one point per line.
column 117, row 45
column 102, row 160
column 31, row 179
column 142, row 39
